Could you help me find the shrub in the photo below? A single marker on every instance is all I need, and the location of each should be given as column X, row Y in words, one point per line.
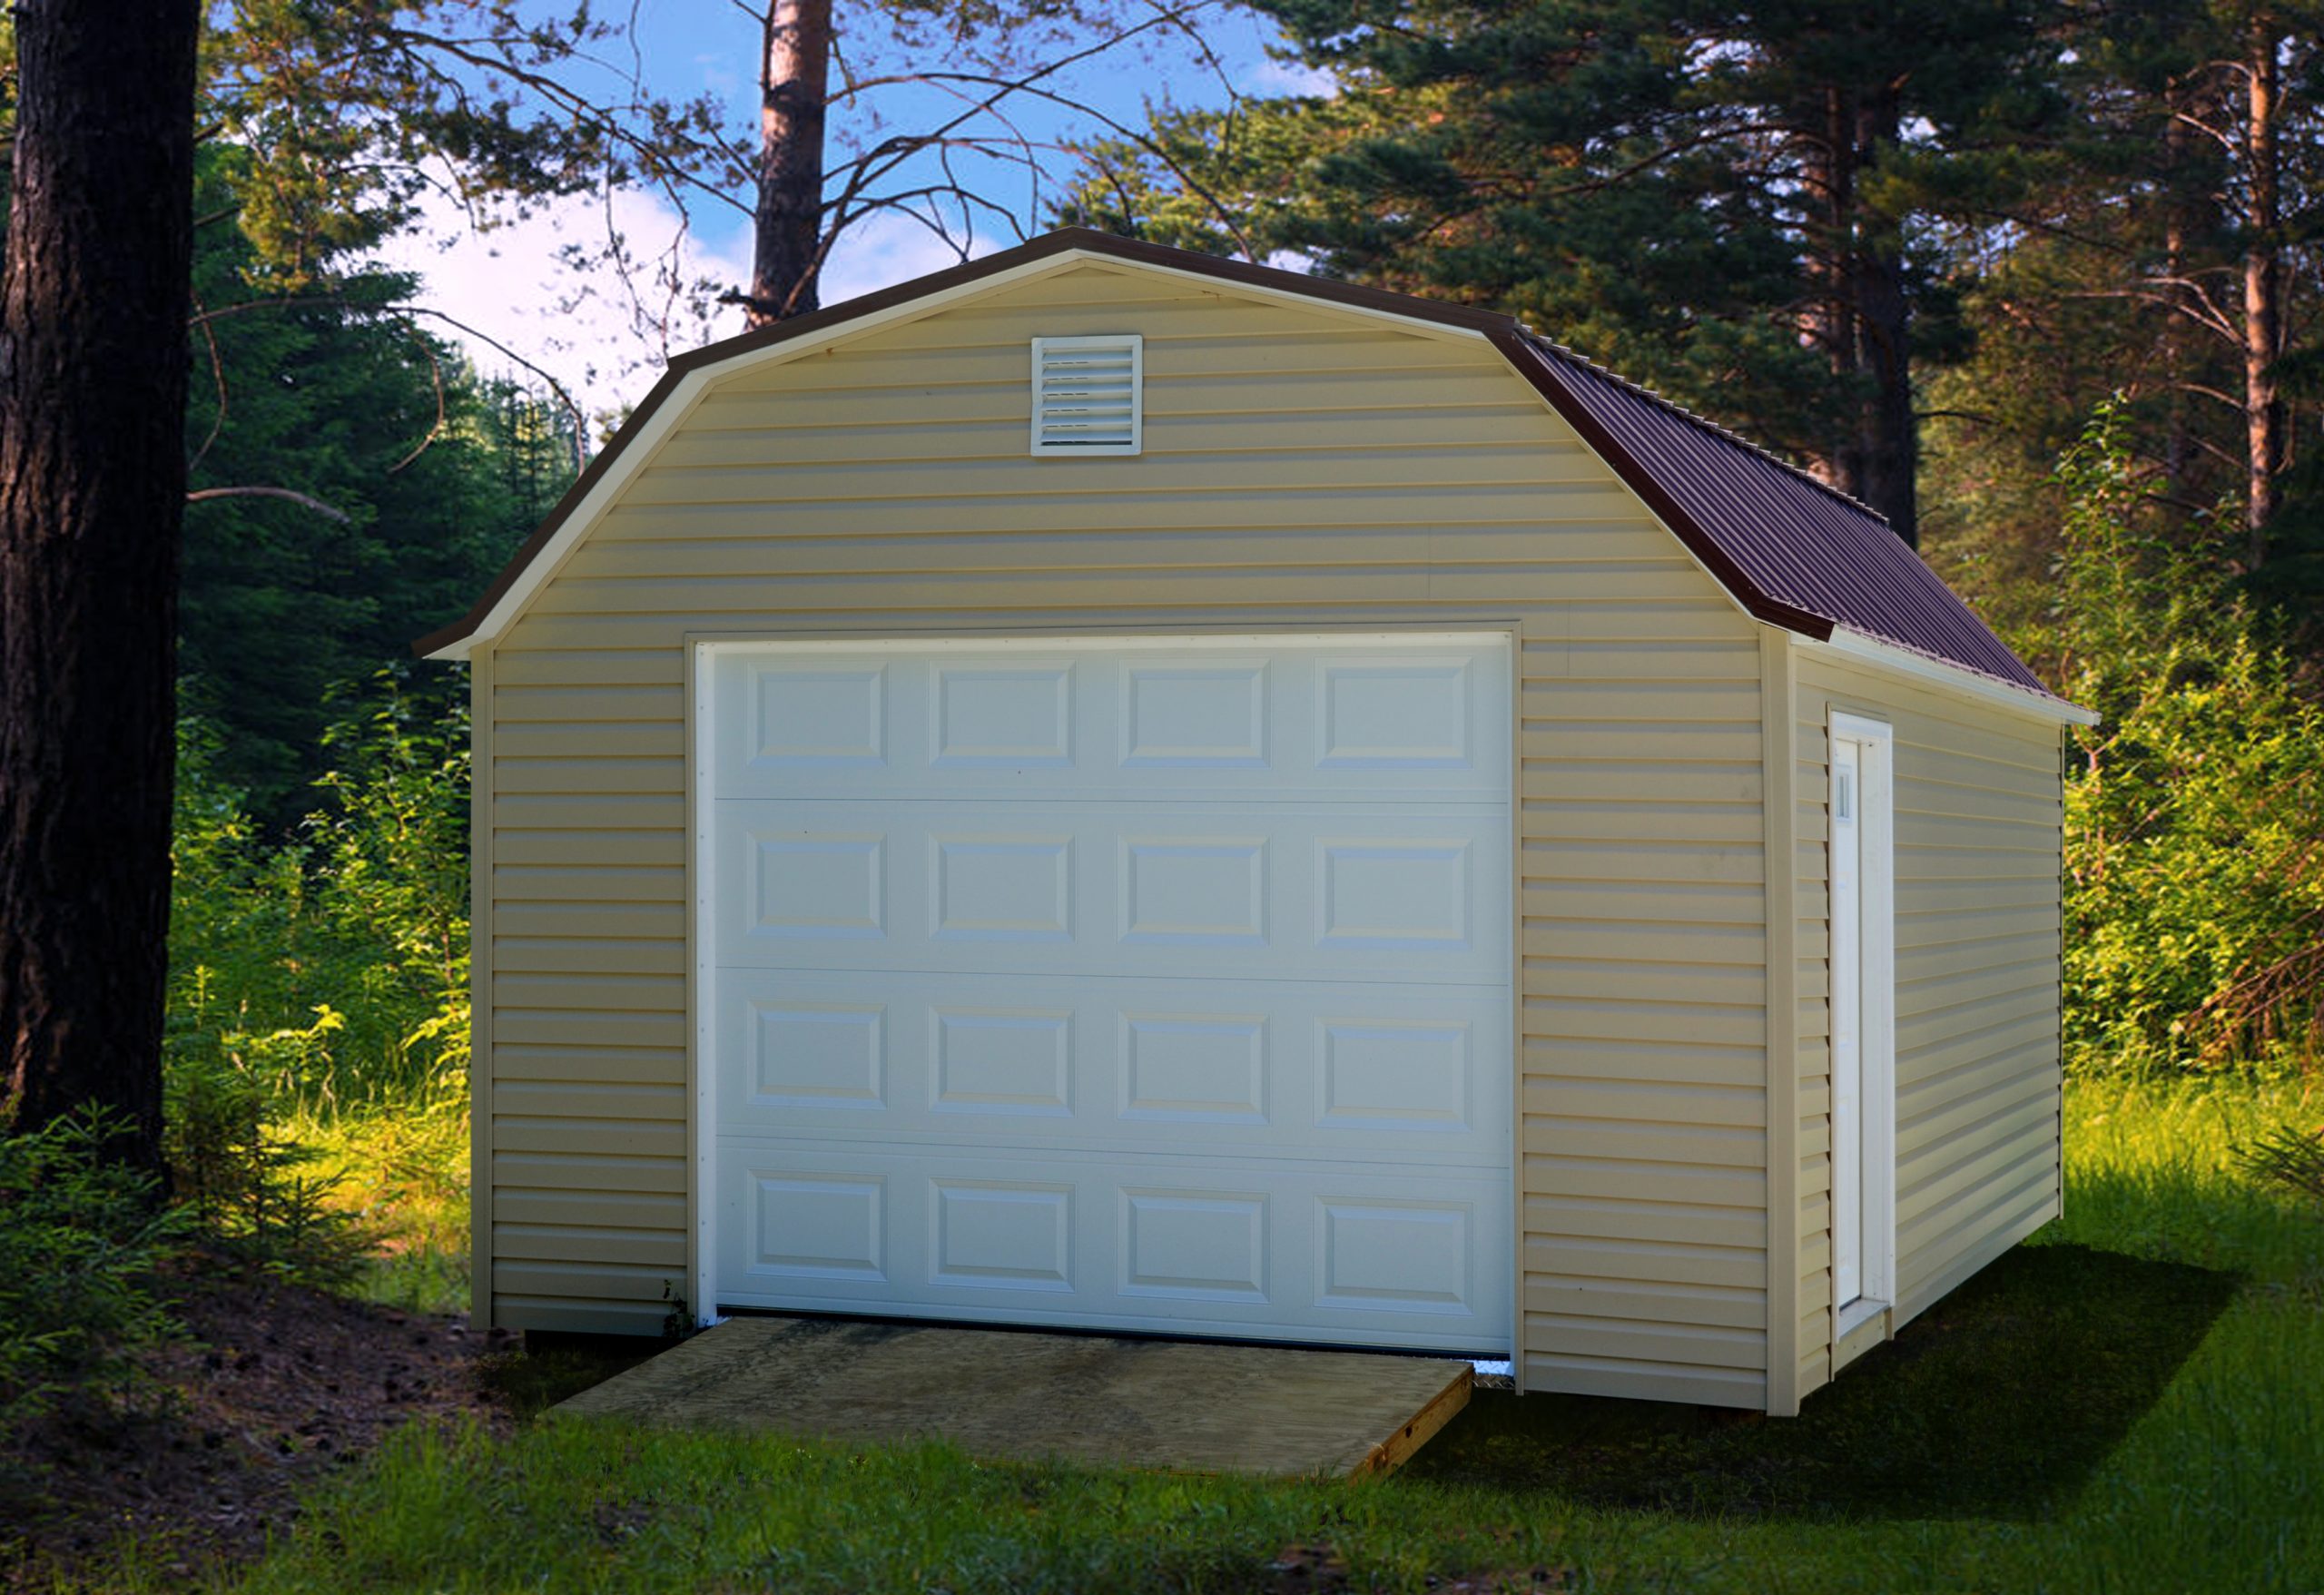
column 80, row 1239
column 246, row 1187
column 2195, row 813
column 332, row 963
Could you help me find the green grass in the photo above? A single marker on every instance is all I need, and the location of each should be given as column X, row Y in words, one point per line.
column 403, row 1171
column 2101, row 1413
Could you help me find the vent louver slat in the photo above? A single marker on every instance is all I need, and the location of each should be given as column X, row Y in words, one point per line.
column 1088, row 395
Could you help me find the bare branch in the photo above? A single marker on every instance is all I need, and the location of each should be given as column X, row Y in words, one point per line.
column 218, row 376
column 435, row 374
column 203, row 495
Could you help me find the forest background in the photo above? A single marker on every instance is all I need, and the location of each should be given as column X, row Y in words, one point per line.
column 2039, row 282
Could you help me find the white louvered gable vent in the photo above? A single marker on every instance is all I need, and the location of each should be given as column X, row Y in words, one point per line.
column 1088, row 394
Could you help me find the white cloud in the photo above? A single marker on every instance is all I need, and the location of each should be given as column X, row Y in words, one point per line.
column 514, row 286
column 886, row 249
column 1271, row 75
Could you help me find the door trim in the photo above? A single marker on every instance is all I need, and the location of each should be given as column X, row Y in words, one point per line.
column 1875, row 1021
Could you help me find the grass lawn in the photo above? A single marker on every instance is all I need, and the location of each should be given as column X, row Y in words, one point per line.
column 402, row 1170
column 2133, row 1402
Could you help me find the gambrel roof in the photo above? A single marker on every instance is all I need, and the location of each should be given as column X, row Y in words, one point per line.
column 1790, row 550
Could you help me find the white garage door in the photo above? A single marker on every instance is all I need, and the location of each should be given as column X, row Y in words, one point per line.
column 1149, row 984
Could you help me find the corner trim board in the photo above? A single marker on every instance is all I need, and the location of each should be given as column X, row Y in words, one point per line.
column 480, row 853
column 701, row 1141
column 1779, row 778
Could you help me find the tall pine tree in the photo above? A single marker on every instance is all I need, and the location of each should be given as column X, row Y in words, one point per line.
column 1746, row 206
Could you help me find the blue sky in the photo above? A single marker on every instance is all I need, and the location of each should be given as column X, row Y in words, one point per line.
column 588, row 330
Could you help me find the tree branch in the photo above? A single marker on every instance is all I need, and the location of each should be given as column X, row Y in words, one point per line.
column 203, row 495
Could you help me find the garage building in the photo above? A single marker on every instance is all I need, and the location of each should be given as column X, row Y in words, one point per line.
column 1116, row 789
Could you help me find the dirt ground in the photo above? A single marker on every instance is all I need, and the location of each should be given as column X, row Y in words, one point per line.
column 276, row 1386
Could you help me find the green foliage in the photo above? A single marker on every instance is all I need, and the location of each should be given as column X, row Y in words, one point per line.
column 333, row 967
column 1707, row 199
column 2290, row 1158
column 392, row 849
column 350, row 113
column 250, row 1189
column 2195, row 930
column 80, row 1235
column 429, row 478
column 320, row 980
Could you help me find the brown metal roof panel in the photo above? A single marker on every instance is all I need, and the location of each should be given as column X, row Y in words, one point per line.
column 1798, row 542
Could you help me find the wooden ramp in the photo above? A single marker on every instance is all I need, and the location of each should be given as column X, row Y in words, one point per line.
column 1144, row 1404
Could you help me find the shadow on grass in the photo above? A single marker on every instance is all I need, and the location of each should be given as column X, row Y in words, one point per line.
column 552, row 1366
column 1996, row 1402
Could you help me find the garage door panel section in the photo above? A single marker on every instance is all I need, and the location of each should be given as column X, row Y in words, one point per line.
column 1279, row 1071
column 1339, row 1254
column 1269, row 722
column 1154, row 983
column 1353, row 891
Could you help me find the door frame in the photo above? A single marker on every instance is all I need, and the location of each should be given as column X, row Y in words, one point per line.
column 700, row 647
column 1876, row 965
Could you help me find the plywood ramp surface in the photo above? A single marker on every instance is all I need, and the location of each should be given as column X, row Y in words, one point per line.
column 1151, row 1403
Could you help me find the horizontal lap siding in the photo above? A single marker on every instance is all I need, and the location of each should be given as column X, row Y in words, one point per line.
column 1302, row 468
column 1977, row 818
column 1643, row 1103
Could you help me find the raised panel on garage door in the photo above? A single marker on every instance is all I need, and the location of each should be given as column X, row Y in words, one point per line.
column 1040, row 887
column 1140, row 983
column 1271, row 722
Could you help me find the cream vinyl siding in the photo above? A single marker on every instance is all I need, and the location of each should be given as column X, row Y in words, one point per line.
column 1304, row 467
column 1977, row 819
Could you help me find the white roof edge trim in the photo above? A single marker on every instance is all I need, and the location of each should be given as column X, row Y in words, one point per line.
column 680, row 404
column 1968, row 683
column 657, row 427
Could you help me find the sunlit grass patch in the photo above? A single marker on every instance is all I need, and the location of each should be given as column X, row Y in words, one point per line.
column 403, row 1172
column 2152, row 1169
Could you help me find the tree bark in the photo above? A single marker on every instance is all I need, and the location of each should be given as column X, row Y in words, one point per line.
column 1887, row 434
column 1858, row 313
column 2181, row 224
column 2263, row 290
column 794, row 90
column 93, row 295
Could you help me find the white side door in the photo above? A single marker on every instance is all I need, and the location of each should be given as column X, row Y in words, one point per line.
column 1861, row 815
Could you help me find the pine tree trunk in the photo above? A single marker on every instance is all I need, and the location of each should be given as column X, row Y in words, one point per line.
column 1827, row 314
column 2263, row 292
column 2181, row 222
column 795, row 88
column 1857, row 314
column 1888, row 435
column 93, row 384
